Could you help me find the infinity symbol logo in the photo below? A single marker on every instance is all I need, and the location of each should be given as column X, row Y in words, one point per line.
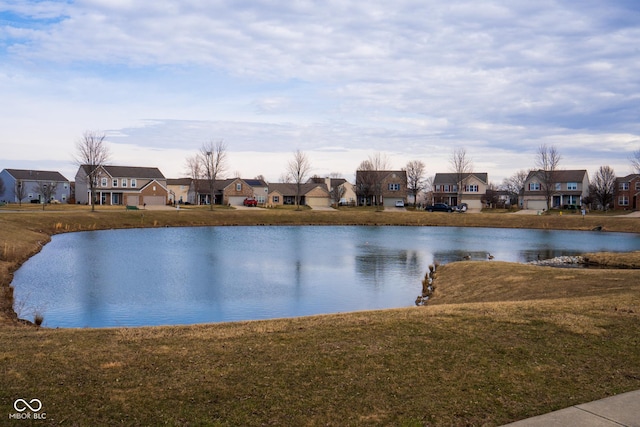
column 21, row 405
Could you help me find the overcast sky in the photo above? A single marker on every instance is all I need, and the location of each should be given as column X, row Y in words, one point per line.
column 338, row 79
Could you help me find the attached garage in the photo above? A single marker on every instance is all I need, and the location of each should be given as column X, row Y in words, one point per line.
column 389, row 202
column 236, row 200
column 318, row 202
column 154, row 200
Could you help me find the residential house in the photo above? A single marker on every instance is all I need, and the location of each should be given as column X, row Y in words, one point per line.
column 453, row 188
column 568, row 188
column 122, row 185
column 627, row 195
column 178, row 190
column 260, row 190
column 341, row 191
column 230, row 192
column 381, row 187
column 22, row 185
column 311, row 194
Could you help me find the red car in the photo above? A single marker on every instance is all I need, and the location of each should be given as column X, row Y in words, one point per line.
column 250, row 202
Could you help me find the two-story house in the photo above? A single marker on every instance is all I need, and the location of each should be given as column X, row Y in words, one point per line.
column 178, row 190
column 341, row 191
column 122, row 185
column 384, row 188
column 566, row 188
column 26, row 185
column 453, row 188
column 627, row 192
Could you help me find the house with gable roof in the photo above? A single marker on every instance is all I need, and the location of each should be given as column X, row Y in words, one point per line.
column 627, row 192
column 473, row 188
column 122, row 185
column 568, row 188
column 23, row 185
column 311, row 194
column 381, row 187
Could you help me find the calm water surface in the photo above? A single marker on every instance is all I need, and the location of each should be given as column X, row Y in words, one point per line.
column 218, row 274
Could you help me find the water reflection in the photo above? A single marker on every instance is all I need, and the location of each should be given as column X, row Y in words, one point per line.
column 215, row 274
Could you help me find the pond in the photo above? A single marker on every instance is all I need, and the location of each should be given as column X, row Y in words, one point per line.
column 169, row 276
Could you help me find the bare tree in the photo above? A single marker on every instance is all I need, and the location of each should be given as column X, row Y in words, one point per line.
column 20, row 191
column 298, row 169
column 514, row 185
column 635, row 161
column 547, row 161
column 92, row 153
column 415, row 178
column 368, row 183
column 461, row 167
column 213, row 160
column 46, row 189
column 603, row 186
column 2, row 187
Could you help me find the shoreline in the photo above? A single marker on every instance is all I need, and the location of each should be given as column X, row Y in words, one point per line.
column 33, row 234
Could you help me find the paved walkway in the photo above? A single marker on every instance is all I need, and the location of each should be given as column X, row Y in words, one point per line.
column 622, row 410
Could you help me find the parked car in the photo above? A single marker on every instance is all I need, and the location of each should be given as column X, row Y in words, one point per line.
column 399, row 204
column 439, row 207
column 250, row 201
column 461, row 208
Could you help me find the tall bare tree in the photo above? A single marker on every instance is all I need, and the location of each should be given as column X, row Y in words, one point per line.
column 635, row 161
column 603, row 186
column 92, row 152
column 20, row 191
column 415, row 178
column 514, row 184
column 46, row 189
column 213, row 159
column 298, row 169
column 368, row 183
column 461, row 166
column 547, row 161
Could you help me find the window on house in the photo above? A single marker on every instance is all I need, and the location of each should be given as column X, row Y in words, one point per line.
column 624, row 185
column 114, row 183
column 261, row 199
column 438, row 188
column 134, row 183
column 124, row 182
column 394, row 187
column 623, row 201
column 238, row 187
column 276, row 199
column 534, row 186
column 104, row 182
column 572, row 186
column 637, row 185
column 558, row 186
column 473, row 188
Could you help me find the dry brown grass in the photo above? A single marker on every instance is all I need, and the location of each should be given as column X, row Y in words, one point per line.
column 499, row 342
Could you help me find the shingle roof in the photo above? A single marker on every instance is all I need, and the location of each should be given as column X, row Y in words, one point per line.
column 289, row 189
column 133, row 172
column 451, row 178
column 576, row 175
column 36, row 175
column 179, row 181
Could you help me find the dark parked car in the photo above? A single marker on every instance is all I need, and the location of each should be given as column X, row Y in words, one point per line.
column 439, row 207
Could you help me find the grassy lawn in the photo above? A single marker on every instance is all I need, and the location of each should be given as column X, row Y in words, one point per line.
column 497, row 343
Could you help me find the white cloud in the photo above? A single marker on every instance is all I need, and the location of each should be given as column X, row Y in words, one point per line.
column 337, row 79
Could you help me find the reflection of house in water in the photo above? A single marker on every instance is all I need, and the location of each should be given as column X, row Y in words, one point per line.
column 374, row 263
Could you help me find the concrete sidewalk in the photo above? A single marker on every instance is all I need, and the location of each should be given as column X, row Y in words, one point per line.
column 622, row 410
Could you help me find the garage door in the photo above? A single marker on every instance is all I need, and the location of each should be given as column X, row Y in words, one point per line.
column 317, row 201
column 132, row 200
column 154, row 200
column 390, row 202
column 536, row 205
column 236, row 200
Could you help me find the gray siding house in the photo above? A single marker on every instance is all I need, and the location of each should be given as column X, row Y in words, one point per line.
column 26, row 185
